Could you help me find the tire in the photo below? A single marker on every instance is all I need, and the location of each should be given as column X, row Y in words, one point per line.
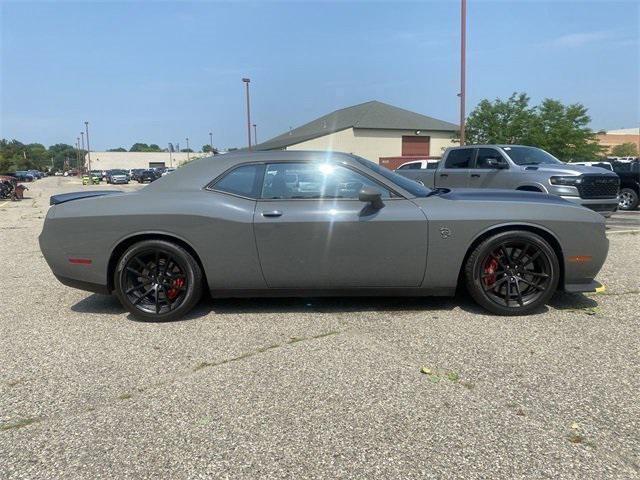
column 497, row 269
column 628, row 199
column 158, row 281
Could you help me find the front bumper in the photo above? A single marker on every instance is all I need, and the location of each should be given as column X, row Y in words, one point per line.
column 604, row 206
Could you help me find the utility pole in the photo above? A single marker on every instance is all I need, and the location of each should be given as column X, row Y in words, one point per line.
column 246, row 82
column 255, row 134
column 170, row 156
column 77, row 152
column 187, row 148
column 463, row 66
column 86, row 126
column 82, row 135
column 211, row 141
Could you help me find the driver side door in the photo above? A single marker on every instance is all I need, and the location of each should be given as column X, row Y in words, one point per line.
column 312, row 231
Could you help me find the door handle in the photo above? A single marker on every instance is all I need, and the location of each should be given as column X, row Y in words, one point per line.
column 476, row 175
column 444, row 174
column 272, row 214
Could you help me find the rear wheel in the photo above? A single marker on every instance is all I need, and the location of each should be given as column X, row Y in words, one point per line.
column 512, row 273
column 628, row 199
column 158, row 280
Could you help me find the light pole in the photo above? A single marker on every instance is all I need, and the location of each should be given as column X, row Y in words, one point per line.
column 86, row 126
column 170, row 147
column 211, row 141
column 247, row 81
column 77, row 152
column 463, row 65
column 187, row 148
column 255, row 134
column 82, row 151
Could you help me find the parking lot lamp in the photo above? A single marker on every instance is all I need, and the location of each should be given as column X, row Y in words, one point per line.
column 187, row 149
column 255, row 134
column 463, row 66
column 246, row 82
column 211, row 141
column 82, row 151
column 170, row 148
column 86, row 126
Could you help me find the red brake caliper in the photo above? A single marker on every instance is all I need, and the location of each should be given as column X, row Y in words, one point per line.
column 176, row 285
column 490, row 270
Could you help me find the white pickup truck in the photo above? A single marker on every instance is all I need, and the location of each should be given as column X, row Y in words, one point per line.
column 518, row 167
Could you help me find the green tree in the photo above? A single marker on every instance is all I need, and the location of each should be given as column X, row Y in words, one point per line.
column 562, row 130
column 625, row 150
column 139, row 147
column 154, row 148
column 119, row 149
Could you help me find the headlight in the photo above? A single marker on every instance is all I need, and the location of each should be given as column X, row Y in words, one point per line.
column 568, row 181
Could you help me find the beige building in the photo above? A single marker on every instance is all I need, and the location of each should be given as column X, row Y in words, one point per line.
column 611, row 138
column 373, row 130
column 128, row 160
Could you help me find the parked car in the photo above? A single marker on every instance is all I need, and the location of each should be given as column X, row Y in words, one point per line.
column 629, row 173
column 148, row 176
column 419, row 165
column 519, row 167
column 605, row 165
column 24, row 176
column 97, row 174
column 90, row 179
column 37, row 174
column 168, row 170
column 235, row 227
column 117, row 176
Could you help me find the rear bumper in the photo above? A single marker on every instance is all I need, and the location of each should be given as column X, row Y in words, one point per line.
column 582, row 287
column 81, row 285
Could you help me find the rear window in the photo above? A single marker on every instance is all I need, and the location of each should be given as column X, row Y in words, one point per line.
column 460, row 158
column 245, row 181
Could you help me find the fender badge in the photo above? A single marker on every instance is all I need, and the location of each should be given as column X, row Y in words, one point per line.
column 445, row 232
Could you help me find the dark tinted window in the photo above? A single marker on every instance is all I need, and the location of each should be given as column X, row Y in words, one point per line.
column 244, row 181
column 460, row 158
column 432, row 165
column 485, row 154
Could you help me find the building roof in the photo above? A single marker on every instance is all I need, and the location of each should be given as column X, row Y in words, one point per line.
column 370, row 115
column 624, row 131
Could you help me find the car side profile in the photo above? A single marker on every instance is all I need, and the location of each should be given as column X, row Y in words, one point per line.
column 292, row 223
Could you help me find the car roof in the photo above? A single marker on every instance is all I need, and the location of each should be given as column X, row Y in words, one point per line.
column 198, row 173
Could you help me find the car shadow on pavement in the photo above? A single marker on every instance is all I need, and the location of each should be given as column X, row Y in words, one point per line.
column 106, row 304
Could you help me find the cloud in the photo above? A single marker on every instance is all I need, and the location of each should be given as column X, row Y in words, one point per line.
column 580, row 39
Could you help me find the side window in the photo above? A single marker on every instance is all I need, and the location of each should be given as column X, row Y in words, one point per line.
column 432, row 165
column 485, row 154
column 245, row 181
column 411, row 166
column 314, row 180
column 460, row 158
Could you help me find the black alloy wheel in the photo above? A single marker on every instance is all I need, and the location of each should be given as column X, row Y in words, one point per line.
column 158, row 280
column 512, row 273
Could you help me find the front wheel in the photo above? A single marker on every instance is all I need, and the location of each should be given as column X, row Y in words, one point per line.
column 512, row 273
column 158, row 280
column 628, row 199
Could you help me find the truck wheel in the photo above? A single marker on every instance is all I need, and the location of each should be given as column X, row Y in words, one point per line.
column 628, row 199
column 512, row 273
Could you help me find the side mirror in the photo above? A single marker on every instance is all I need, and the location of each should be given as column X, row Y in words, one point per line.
column 496, row 163
column 371, row 196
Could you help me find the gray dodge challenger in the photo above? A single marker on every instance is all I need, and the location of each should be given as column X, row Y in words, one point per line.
column 293, row 223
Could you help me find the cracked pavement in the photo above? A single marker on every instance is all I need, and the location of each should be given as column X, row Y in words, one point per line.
column 312, row 388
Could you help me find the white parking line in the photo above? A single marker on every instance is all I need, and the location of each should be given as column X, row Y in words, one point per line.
column 3, row 204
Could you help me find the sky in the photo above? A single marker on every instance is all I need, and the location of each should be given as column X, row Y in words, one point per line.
column 159, row 72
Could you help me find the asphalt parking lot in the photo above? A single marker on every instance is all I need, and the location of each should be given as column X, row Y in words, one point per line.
column 314, row 388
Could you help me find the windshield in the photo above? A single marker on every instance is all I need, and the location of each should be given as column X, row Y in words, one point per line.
column 118, row 172
column 530, row 156
column 409, row 185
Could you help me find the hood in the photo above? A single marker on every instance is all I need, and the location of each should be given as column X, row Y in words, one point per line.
column 490, row 195
column 567, row 169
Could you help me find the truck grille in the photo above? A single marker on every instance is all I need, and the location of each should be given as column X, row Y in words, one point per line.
column 599, row 186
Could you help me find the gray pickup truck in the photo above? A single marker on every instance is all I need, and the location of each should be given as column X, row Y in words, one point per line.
column 518, row 167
